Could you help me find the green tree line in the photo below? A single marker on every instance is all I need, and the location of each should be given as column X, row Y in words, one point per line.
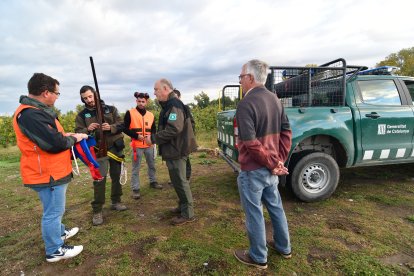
column 204, row 113
column 404, row 59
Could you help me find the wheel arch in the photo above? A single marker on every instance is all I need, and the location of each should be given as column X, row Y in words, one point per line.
column 319, row 143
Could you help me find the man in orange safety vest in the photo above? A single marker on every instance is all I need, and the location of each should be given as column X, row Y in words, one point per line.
column 140, row 123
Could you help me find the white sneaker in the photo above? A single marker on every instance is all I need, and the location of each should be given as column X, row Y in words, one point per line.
column 64, row 252
column 70, row 233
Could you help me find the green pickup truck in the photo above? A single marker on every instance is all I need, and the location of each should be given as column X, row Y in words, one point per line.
column 341, row 116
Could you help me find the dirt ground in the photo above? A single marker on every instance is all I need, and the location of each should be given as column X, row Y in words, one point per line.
column 216, row 200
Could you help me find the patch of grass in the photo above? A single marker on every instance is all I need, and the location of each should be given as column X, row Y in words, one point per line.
column 207, row 139
column 202, row 155
column 387, row 200
column 207, row 162
column 10, row 154
column 122, row 264
column 299, row 209
column 361, row 264
column 333, row 237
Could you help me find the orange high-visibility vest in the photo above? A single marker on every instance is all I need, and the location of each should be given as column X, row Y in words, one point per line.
column 141, row 125
column 36, row 165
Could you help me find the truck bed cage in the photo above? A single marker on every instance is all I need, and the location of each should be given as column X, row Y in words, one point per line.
column 322, row 85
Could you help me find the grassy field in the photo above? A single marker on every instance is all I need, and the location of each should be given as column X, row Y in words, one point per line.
column 366, row 228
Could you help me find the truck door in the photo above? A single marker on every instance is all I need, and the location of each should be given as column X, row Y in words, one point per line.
column 408, row 87
column 386, row 121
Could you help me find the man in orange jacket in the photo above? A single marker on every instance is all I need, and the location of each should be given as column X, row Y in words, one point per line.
column 140, row 123
column 45, row 164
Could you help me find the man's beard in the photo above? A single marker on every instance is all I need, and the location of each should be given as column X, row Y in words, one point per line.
column 90, row 105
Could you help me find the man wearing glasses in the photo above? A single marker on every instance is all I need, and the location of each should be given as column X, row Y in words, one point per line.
column 264, row 142
column 140, row 123
column 45, row 163
column 87, row 122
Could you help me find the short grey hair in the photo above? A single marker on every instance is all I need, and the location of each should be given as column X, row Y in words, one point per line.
column 258, row 69
column 166, row 83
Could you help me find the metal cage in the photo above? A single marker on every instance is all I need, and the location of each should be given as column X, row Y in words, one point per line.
column 309, row 86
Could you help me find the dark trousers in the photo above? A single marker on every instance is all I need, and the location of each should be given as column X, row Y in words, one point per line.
column 188, row 168
column 99, row 187
column 177, row 171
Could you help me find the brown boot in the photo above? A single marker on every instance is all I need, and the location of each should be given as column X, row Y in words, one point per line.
column 244, row 257
column 97, row 219
column 175, row 211
column 118, row 206
column 155, row 185
column 271, row 244
column 181, row 220
column 136, row 195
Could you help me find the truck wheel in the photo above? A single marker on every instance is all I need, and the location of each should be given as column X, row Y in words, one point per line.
column 315, row 177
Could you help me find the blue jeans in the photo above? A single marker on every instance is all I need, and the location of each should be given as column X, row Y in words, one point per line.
column 256, row 187
column 53, row 200
column 136, row 165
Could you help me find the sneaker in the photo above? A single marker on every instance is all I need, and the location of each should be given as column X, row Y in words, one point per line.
column 181, row 220
column 155, row 185
column 70, row 233
column 271, row 244
column 136, row 195
column 64, row 252
column 244, row 257
column 118, row 206
column 97, row 219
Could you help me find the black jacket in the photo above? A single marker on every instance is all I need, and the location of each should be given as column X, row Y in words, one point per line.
column 175, row 135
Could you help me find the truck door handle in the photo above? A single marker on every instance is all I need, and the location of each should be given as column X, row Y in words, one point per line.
column 373, row 115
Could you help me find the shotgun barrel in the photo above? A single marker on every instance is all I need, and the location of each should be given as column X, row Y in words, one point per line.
column 102, row 145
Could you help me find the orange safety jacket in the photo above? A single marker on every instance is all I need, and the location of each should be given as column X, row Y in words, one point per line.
column 36, row 165
column 141, row 125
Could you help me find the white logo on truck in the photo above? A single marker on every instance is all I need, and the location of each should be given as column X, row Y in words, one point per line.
column 384, row 129
column 381, row 129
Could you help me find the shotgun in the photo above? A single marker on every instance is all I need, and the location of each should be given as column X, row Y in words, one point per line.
column 102, row 146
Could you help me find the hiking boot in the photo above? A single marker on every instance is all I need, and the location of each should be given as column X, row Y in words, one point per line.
column 136, row 195
column 97, row 219
column 70, row 233
column 118, row 206
column 155, row 185
column 181, row 220
column 244, row 257
column 271, row 244
column 64, row 252
column 175, row 210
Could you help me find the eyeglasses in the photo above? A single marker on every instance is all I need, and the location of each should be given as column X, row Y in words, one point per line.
column 56, row 93
column 242, row 75
column 141, row 95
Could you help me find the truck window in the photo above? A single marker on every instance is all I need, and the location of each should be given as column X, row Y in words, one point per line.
column 379, row 92
column 410, row 86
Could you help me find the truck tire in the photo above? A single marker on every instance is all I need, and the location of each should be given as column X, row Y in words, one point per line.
column 314, row 177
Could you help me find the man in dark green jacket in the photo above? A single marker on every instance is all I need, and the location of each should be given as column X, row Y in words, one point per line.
column 175, row 140
column 87, row 122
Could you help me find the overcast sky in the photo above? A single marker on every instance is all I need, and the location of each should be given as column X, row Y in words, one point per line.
column 199, row 45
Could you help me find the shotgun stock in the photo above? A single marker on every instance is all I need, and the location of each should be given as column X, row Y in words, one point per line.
column 102, row 146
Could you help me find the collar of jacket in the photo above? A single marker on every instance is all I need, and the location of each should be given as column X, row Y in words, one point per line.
column 171, row 96
column 33, row 102
column 141, row 111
